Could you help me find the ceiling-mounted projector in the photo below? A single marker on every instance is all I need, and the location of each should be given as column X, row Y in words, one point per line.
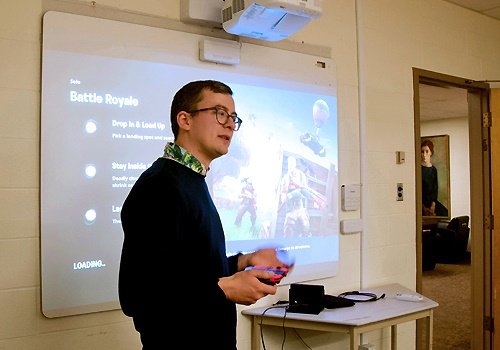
column 270, row 20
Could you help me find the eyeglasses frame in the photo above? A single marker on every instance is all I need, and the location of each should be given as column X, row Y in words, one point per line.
column 237, row 121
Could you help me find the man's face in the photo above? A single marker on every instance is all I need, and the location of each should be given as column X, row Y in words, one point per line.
column 212, row 139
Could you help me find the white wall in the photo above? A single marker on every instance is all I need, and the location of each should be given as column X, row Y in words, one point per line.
column 375, row 44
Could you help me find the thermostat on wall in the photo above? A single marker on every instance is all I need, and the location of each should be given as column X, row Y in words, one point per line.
column 351, row 197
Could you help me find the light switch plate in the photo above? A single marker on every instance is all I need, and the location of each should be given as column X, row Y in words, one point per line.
column 400, row 157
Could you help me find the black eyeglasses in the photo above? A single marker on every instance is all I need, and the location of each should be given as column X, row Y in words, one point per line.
column 222, row 116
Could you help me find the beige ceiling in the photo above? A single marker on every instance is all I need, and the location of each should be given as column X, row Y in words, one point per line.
column 489, row 8
column 450, row 102
column 442, row 102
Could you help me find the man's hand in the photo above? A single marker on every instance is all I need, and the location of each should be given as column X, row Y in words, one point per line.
column 245, row 288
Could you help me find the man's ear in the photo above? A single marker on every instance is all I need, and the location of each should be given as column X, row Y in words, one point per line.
column 184, row 120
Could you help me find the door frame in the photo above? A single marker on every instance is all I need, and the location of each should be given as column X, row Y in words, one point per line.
column 495, row 194
column 480, row 200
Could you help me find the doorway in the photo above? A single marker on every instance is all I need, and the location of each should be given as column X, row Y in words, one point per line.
column 476, row 94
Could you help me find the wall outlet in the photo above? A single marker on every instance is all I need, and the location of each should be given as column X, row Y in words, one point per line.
column 399, row 191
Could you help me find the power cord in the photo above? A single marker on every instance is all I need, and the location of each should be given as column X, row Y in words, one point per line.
column 300, row 338
column 277, row 305
column 361, row 297
column 284, row 330
column 283, row 306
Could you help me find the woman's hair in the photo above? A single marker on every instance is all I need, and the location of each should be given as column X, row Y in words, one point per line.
column 189, row 95
column 429, row 144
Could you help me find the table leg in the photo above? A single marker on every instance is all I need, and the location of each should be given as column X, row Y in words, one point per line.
column 355, row 340
column 394, row 337
column 429, row 328
column 255, row 333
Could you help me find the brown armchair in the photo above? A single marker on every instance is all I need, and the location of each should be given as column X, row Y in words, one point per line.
column 451, row 239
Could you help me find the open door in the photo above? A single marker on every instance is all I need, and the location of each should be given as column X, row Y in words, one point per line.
column 481, row 217
column 480, row 200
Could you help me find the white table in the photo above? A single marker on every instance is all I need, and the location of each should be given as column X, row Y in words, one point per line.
column 354, row 320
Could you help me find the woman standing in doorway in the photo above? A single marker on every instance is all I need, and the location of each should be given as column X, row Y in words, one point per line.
column 430, row 204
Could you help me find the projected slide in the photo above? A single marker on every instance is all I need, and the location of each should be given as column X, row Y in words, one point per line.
column 105, row 119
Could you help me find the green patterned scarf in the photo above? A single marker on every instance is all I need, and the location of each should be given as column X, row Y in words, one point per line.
column 180, row 155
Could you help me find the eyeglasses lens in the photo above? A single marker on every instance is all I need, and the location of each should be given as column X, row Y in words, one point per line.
column 223, row 117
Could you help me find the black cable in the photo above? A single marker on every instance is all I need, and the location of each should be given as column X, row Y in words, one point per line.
column 296, row 333
column 262, row 318
column 300, row 338
column 361, row 297
column 279, row 304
